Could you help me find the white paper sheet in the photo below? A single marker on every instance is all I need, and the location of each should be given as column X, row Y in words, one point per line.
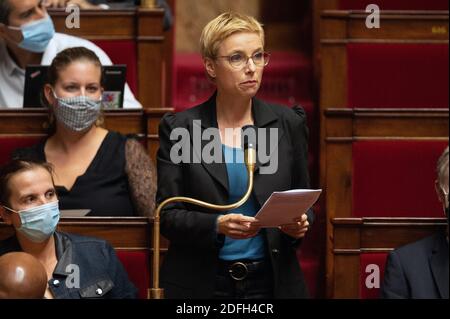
column 285, row 207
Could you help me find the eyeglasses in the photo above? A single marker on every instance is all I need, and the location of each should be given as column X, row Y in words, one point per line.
column 239, row 60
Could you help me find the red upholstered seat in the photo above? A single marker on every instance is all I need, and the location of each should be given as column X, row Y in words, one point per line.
column 191, row 85
column 136, row 263
column 395, row 4
column 371, row 274
column 9, row 143
column 398, row 75
column 123, row 52
column 396, row 178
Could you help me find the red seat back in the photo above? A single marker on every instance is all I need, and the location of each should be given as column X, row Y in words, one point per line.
column 398, row 75
column 9, row 143
column 123, row 52
column 136, row 263
column 396, row 178
column 371, row 274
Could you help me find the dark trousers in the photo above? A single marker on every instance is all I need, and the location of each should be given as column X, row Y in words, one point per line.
column 244, row 279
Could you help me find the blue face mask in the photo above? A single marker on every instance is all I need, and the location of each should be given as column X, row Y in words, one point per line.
column 39, row 222
column 36, row 34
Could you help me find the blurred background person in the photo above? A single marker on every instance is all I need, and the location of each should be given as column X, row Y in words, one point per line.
column 95, row 169
column 420, row 270
column 27, row 36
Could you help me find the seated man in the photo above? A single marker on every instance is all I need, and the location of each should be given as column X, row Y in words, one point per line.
column 27, row 36
column 76, row 266
column 420, row 269
column 22, row 277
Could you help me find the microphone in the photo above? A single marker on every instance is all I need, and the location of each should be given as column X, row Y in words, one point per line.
column 249, row 140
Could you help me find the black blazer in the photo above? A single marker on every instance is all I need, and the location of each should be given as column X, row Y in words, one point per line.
column 418, row 270
column 189, row 268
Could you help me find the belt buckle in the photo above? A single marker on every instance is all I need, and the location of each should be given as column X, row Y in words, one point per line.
column 238, row 271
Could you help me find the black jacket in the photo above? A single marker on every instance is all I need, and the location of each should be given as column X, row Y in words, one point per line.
column 101, row 275
column 189, row 268
column 418, row 270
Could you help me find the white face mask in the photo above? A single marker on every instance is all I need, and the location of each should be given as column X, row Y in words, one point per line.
column 77, row 113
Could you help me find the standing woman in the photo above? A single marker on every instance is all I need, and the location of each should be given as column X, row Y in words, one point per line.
column 225, row 255
column 94, row 168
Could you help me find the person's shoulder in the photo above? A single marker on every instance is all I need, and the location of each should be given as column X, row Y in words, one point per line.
column 64, row 41
column 183, row 118
column 70, row 40
column 418, row 248
column 294, row 115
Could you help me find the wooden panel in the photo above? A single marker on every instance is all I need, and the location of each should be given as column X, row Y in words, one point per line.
column 383, row 123
column 30, row 121
column 153, row 118
column 333, row 86
column 118, row 24
column 347, row 236
column 353, row 236
column 133, row 233
column 337, row 196
column 150, row 57
column 121, row 232
column 414, row 26
column 346, row 286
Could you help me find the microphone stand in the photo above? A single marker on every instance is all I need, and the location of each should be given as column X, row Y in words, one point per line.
column 250, row 160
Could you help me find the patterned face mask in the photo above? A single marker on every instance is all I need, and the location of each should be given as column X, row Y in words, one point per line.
column 77, row 113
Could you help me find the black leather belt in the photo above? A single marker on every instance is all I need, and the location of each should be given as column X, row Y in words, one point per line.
column 241, row 269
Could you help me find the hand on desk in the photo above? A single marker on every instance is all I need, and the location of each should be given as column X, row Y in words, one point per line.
column 83, row 4
column 237, row 226
column 296, row 230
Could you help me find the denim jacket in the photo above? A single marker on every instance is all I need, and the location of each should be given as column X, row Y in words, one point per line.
column 87, row 268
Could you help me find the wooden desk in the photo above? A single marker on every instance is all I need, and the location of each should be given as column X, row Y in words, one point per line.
column 30, row 121
column 144, row 123
column 123, row 233
column 353, row 236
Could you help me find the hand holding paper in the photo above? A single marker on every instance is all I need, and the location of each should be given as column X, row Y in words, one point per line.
column 287, row 207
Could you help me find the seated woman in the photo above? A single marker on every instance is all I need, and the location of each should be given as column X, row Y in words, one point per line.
column 76, row 266
column 95, row 169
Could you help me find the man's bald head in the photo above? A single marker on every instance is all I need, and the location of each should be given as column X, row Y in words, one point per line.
column 21, row 277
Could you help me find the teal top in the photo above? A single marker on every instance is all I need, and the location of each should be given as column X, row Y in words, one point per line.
column 238, row 249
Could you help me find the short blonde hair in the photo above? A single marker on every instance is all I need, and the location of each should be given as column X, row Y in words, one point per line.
column 222, row 27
